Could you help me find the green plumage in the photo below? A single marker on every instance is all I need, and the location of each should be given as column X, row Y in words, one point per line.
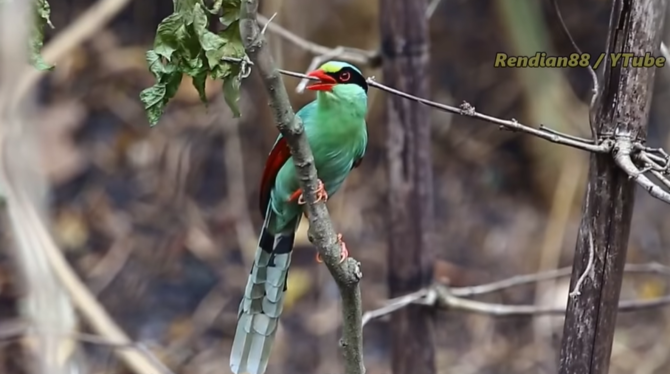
column 336, row 131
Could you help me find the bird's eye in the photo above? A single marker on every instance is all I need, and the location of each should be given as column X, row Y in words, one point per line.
column 345, row 76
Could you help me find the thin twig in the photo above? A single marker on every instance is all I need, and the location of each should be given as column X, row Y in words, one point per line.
column 520, row 280
column 444, row 297
column 354, row 55
column 440, row 296
column 594, row 77
column 513, row 125
column 393, row 305
column 450, row 302
column 573, row 137
column 426, row 296
column 589, row 266
column 105, row 271
column 661, row 177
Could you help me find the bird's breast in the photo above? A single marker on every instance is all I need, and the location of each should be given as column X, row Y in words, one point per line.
column 333, row 159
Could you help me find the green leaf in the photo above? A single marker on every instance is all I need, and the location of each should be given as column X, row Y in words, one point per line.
column 173, row 81
column 156, row 97
column 231, row 12
column 233, row 46
column 42, row 19
column 216, row 7
column 199, row 84
column 186, row 45
column 231, row 93
column 44, row 11
column 153, row 99
column 167, row 36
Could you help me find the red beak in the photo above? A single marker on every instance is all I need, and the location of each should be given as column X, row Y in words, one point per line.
column 326, row 82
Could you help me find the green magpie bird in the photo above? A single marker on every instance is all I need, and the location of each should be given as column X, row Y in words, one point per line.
column 337, row 134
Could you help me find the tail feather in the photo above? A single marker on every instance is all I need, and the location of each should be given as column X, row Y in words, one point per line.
column 263, row 302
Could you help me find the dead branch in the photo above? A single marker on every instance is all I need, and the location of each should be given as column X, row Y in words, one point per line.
column 468, row 110
column 444, row 297
column 348, row 274
column 354, row 55
column 520, row 280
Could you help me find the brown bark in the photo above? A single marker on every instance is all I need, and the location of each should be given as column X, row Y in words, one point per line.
column 405, row 56
column 621, row 111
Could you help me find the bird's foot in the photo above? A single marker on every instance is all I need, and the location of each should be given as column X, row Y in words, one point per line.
column 344, row 253
column 321, row 194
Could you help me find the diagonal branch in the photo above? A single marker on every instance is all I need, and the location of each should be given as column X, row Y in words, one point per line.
column 348, row 274
column 354, row 55
column 512, row 125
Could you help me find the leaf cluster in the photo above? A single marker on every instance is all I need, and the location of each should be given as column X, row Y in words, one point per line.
column 185, row 45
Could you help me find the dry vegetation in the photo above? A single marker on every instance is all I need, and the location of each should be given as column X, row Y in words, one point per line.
column 161, row 223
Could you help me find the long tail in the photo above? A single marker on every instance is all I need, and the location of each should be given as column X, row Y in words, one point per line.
column 263, row 301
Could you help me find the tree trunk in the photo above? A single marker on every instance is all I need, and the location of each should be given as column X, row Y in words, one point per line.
column 405, row 55
column 622, row 111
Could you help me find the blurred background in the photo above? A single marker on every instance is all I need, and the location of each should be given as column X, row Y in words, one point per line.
column 161, row 222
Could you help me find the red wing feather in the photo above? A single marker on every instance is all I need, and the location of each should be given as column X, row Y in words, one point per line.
column 276, row 159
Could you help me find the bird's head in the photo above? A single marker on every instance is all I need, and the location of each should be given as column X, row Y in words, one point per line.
column 339, row 79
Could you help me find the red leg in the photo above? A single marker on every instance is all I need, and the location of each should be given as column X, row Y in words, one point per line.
column 344, row 253
column 321, row 194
